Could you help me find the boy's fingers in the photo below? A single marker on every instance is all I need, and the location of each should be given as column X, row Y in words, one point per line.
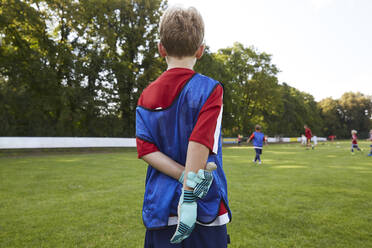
column 202, row 188
column 211, row 166
column 200, row 175
column 190, row 180
column 191, row 184
column 193, row 180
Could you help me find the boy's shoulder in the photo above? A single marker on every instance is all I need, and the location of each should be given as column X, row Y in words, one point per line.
column 165, row 89
column 208, row 79
column 161, row 92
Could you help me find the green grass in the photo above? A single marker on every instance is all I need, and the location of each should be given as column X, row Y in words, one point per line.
column 296, row 198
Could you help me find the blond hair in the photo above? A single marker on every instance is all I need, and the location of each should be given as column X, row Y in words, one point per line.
column 181, row 31
column 353, row 131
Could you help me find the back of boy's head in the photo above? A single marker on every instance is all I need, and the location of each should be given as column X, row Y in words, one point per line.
column 181, row 31
column 258, row 127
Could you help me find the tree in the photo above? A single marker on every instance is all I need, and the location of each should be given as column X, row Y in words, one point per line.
column 298, row 109
column 355, row 110
column 351, row 111
column 332, row 122
column 28, row 80
column 128, row 32
column 253, row 86
column 76, row 68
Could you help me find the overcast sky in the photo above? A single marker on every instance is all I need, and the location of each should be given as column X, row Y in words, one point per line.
column 323, row 47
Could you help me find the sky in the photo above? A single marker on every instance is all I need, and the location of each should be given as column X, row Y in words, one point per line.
column 322, row 47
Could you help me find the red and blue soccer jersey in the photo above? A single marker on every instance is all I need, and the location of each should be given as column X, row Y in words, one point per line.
column 166, row 122
column 258, row 139
column 161, row 94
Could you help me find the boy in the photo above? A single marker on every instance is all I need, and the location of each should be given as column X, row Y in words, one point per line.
column 240, row 137
column 178, row 124
column 354, row 141
column 258, row 140
column 308, row 135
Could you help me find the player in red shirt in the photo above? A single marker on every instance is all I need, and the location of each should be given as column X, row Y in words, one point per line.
column 308, row 135
column 332, row 137
column 354, row 141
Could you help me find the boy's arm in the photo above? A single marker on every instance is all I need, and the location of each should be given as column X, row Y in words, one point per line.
column 203, row 140
column 206, row 133
column 197, row 155
column 250, row 138
column 151, row 155
column 164, row 164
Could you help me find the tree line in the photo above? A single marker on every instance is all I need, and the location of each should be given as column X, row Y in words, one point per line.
column 77, row 68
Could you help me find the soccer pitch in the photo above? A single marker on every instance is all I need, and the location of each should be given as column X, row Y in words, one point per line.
column 296, row 198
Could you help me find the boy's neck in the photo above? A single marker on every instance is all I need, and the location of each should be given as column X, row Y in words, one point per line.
column 184, row 62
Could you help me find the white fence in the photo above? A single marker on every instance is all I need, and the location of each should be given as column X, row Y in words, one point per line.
column 82, row 142
column 64, row 142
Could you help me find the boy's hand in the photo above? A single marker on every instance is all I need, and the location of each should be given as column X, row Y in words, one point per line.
column 201, row 181
column 187, row 211
column 187, row 207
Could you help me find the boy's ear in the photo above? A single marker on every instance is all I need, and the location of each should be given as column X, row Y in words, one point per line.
column 199, row 52
column 162, row 50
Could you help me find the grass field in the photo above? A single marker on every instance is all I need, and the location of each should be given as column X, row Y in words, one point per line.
column 296, row 198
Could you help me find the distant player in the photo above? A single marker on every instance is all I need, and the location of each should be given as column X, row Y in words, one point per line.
column 370, row 139
column 308, row 135
column 258, row 139
column 354, row 141
column 240, row 138
column 332, row 137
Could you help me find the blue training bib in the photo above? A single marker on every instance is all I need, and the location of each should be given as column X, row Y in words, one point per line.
column 170, row 129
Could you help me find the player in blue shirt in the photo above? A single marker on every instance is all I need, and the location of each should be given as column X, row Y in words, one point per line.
column 178, row 129
column 258, row 139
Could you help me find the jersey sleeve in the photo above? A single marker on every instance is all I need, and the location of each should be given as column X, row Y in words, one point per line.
column 145, row 147
column 208, row 125
column 144, row 139
column 252, row 136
